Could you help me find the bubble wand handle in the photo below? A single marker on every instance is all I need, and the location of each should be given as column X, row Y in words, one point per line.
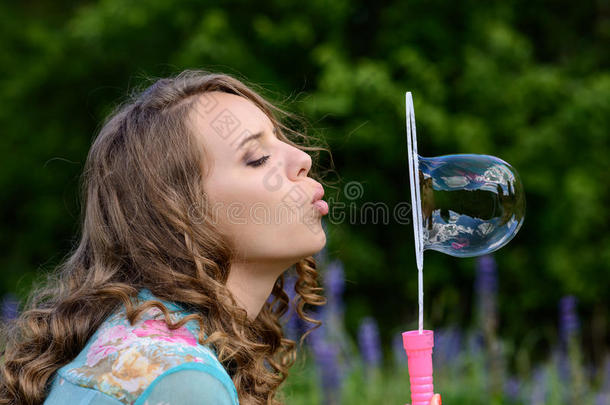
column 417, row 343
column 419, row 354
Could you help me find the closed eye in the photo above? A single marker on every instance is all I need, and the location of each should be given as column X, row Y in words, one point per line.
column 259, row 162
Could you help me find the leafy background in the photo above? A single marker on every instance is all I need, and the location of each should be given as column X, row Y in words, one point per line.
column 526, row 81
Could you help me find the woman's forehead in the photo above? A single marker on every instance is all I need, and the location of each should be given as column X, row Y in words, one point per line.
column 227, row 113
column 221, row 120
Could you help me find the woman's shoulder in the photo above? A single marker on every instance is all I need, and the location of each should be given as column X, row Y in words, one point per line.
column 132, row 362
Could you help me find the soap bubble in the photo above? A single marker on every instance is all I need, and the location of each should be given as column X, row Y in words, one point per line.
column 464, row 205
column 471, row 204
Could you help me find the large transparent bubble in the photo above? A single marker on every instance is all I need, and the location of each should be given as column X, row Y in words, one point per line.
column 464, row 205
column 471, row 204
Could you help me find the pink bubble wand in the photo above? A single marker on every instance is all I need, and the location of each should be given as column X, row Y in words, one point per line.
column 494, row 227
column 417, row 343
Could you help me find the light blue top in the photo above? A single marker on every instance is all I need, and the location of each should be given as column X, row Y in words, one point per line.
column 144, row 364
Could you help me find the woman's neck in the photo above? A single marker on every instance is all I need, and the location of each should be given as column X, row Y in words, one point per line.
column 251, row 283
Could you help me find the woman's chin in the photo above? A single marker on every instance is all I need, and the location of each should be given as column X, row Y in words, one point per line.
column 318, row 243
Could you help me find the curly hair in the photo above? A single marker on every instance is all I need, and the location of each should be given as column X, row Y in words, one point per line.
column 141, row 181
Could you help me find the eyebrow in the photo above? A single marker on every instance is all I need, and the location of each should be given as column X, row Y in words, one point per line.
column 252, row 137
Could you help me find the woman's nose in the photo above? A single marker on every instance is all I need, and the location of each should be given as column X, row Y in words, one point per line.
column 299, row 163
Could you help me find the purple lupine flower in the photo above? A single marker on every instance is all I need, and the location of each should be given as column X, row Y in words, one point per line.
column 334, row 282
column 400, row 356
column 603, row 396
column 326, row 355
column 539, row 387
column 559, row 360
column 476, row 342
column 9, row 307
column 293, row 322
column 512, row 389
column 486, row 289
column 368, row 341
column 447, row 346
column 487, row 274
column 568, row 318
column 321, row 258
column 568, row 327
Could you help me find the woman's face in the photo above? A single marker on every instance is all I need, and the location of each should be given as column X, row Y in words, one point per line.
column 257, row 187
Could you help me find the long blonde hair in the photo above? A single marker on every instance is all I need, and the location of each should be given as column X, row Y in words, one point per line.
column 140, row 183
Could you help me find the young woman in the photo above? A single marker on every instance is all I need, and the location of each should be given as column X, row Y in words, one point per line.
column 196, row 202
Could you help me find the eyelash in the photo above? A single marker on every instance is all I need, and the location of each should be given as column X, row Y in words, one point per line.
column 259, row 162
